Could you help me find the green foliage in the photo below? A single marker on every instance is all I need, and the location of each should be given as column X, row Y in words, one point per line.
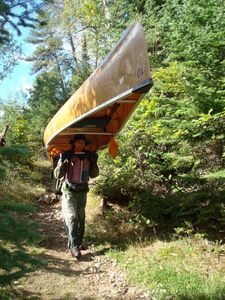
column 16, row 154
column 116, row 179
column 197, row 212
column 88, row 17
column 190, row 33
column 14, row 115
column 15, row 14
column 175, row 138
column 8, row 57
column 2, row 173
column 27, row 122
column 46, row 97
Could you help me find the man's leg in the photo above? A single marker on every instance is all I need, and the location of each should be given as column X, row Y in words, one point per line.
column 67, row 233
column 71, row 218
column 82, row 199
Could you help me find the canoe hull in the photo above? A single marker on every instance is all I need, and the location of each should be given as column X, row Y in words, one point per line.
column 105, row 101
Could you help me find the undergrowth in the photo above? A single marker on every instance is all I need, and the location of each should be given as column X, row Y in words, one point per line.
column 172, row 262
column 23, row 176
column 20, row 185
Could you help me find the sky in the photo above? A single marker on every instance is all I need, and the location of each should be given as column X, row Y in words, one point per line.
column 21, row 78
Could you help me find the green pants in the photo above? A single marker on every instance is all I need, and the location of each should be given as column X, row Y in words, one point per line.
column 73, row 210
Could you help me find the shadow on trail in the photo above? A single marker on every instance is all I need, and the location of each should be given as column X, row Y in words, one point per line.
column 17, row 233
column 71, row 296
column 19, row 295
column 60, row 266
column 49, row 216
column 16, row 264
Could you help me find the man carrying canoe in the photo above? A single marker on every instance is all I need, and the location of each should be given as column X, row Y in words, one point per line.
column 74, row 169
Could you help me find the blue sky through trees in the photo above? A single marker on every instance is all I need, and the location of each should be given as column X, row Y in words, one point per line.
column 20, row 80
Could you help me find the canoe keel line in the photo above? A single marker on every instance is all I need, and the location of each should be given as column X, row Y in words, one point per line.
column 105, row 101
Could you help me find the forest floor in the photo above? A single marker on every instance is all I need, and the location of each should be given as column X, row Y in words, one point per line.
column 161, row 264
column 94, row 276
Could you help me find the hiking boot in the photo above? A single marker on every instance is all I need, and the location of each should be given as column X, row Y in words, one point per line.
column 76, row 253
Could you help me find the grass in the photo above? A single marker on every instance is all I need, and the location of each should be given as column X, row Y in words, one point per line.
column 23, row 183
column 217, row 175
column 19, row 189
column 187, row 268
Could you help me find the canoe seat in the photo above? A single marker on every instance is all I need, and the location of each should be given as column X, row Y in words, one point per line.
column 93, row 122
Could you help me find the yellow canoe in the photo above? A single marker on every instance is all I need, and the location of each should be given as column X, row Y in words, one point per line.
column 104, row 102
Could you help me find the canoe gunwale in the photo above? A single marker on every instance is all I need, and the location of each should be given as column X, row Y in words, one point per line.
column 146, row 85
column 143, row 87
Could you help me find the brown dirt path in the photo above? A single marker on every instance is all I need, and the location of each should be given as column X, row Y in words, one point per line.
column 95, row 276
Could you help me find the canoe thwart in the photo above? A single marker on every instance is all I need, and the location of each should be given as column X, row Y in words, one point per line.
column 92, row 122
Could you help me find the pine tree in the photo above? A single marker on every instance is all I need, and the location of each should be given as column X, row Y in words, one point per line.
column 16, row 14
column 49, row 53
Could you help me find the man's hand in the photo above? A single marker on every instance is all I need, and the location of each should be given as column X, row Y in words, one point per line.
column 63, row 158
column 61, row 164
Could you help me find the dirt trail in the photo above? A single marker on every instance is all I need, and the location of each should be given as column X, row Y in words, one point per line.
column 93, row 277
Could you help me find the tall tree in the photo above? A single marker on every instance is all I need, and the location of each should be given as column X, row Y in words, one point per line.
column 16, row 14
column 9, row 53
column 46, row 97
column 89, row 17
column 83, row 69
column 49, row 53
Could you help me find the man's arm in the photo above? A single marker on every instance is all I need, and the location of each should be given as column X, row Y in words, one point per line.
column 94, row 170
column 62, row 166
